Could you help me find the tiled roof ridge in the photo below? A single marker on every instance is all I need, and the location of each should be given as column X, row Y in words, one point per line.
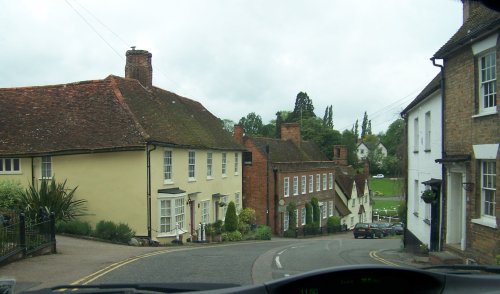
column 121, row 101
column 53, row 85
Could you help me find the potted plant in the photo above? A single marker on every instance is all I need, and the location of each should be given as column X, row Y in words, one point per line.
column 428, row 196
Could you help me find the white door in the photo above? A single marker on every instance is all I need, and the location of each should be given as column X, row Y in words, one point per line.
column 455, row 229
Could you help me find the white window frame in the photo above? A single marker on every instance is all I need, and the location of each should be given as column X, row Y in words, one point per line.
column 488, row 186
column 325, row 182
column 191, row 165
column 303, row 184
column 236, row 163
column 487, row 82
column 295, row 185
column 237, row 201
column 311, row 183
column 318, row 182
column 330, row 181
column 428, row 128
column 210, row 164
column 167, row 167
column 205, row 211
column 303, row 215
column 286, row 186
column 296, row 218
column 46, row 167
column 324, row 209
column 8, row 166
column 224, row 164
column 330, row 208
column 176, row 214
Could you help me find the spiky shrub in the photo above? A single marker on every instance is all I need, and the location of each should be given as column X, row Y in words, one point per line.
column 52, row 197
column 231, row 221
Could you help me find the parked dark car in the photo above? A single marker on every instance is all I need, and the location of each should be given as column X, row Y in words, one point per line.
column 387, row 229
column 398, row 228
column 367, row 230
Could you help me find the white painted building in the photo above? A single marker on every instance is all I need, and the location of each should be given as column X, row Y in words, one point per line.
column 423, row 122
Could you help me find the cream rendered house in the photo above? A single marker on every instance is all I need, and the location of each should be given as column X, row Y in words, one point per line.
column 354, row 191
column 139, row 154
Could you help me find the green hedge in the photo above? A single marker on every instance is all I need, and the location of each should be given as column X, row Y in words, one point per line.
column 263, row 233
column 108, row 230
column 75, row 227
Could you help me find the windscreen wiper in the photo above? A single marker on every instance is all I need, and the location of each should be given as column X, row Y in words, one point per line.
column 467, row 267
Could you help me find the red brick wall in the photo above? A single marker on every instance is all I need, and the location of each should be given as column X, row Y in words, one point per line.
column 291, row 131
column 138, row 66
column 461, row 131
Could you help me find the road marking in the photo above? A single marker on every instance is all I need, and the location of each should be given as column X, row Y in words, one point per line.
column 279, row 253
column 373, row 254
column 278, row 264
column 98, row 274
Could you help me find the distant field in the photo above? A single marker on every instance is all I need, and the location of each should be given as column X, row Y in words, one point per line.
column 386, row 204
column 387, row 186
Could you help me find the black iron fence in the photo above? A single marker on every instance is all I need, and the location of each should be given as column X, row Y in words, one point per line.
column 20, row 236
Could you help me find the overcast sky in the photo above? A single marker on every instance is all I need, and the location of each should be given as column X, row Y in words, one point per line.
column 239, row 56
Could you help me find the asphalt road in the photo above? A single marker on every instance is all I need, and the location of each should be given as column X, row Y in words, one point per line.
column 246, row 263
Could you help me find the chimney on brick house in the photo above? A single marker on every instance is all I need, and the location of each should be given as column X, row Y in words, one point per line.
column 339, row 155
column 238, row 133
column 366, row 168
column 468, row 7
column 138, row 66
column 291, row 131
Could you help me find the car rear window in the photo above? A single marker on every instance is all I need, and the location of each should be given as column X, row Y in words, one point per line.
column 361, row 226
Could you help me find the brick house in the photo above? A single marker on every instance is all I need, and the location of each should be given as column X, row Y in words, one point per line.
column 471, row 135
column 289, row 170
column 139, row 154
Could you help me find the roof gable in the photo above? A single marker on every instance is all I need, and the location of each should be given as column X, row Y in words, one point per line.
column 287, row 151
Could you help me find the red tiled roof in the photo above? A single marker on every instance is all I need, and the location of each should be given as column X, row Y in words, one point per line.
column 103, row 115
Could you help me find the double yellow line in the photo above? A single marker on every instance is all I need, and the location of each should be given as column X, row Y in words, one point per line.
column 373, row 254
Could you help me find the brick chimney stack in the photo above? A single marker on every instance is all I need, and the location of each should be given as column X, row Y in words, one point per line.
column 468, row 7
column 291, row 131
column 340, row 155
column 139, row 66
column 238, row 133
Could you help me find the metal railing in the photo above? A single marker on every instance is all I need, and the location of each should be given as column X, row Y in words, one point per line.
column 20, row 236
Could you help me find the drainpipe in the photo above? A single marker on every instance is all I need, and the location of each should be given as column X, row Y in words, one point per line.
column 267, row 185
column 32, row 172
column 443, row 152
column 148, row 188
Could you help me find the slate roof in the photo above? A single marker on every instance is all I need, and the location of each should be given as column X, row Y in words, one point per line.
column 433, row 86
column 287, row 151
column 481, row 21
column 103, row 115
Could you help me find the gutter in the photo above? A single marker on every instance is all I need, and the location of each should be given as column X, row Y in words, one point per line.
column 443, row 153
column 148, row 188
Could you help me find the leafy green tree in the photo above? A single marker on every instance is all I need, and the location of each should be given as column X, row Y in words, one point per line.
column 53, row 197
column 324, row 137
column 349, row 140
column 315, row 209
column 247, row 215
column 292, row 216
column 228, row 125
column 269, row 130
column 309, row 213
column 364, row 125
column 279, row 121
column 252, row 124
column 231, row 220
column 393, row 138
column 355, row 131
column 328, row 117
column 10, row 194
column 303, row 108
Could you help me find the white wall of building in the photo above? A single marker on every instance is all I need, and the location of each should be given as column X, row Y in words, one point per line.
column 424, row 147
